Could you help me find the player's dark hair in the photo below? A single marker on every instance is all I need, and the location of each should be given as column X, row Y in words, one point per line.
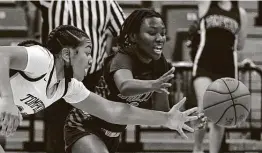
column 133, row 23
column 65, row 36
column 28, row 43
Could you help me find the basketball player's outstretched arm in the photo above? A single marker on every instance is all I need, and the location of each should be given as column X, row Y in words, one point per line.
column 11, row 57
column 121, row 113
column 129, row 86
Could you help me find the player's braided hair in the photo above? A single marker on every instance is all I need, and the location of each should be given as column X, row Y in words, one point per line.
column 28, row 43
column 133, row 23
column 64, row 35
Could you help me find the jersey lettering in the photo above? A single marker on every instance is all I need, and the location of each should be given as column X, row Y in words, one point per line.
column 221, row 21
column 137, row 98
column 35, row 103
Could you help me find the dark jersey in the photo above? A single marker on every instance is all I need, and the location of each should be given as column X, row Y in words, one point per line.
column 140, row 71
column 218, row 30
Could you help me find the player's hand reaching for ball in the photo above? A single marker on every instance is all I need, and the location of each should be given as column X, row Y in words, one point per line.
column 177, row 119
column 202, row 121
column 161, row 84
column 10, row 117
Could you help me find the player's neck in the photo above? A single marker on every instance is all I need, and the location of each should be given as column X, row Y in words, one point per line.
column 142, row 56
column 59, row 66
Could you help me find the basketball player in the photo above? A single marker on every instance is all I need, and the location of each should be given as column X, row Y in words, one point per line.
column 45, row 75
column 137, row 74
column 222, row 23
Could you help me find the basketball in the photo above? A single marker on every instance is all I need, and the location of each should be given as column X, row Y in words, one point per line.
column 227, row 102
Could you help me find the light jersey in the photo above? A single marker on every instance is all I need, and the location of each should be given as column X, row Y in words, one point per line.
column 218, row 31
column 30, row 95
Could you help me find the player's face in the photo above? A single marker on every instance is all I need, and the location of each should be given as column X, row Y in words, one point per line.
column 152, row 37
column 82, row 59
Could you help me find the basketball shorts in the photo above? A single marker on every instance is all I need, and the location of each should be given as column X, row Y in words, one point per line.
column 75, row 129
column 213, row 74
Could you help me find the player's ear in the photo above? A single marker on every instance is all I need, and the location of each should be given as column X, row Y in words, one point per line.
column 132, row 37
column 65, row 54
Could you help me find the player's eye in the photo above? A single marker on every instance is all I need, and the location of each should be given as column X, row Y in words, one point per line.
column 152, row 33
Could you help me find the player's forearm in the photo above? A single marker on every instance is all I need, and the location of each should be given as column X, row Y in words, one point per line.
column 5, row 86
column 121, row 113
column 135, row 87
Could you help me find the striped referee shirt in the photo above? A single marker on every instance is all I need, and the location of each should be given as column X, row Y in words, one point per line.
column 96, row 18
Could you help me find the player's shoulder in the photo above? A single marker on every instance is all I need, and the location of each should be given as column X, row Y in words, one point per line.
column 121, row 56
column 39, row 49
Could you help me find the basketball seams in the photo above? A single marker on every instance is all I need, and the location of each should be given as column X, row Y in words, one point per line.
column 224, row 114
column 229, row 108
column 225, row 101
column 232, row 101
column 217, row 104
column 238, row 83
column 222, row 93
column 243, row 107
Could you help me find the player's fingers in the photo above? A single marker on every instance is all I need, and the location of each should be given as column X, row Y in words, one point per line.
column 188, row 128
column 201, row 126
column 180, row 103
column 191, row 118
column 171, row 71
column 16, row 124
column 204, row 119
column 167, row 78
column 190, row 111
column 201, row 115
column 10, row 125
column 163, row 90
column 166, row 85
column 2, row 117
column 5, row 124
column 182, row 134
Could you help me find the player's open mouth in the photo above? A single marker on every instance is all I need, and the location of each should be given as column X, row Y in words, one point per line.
column 158, row 49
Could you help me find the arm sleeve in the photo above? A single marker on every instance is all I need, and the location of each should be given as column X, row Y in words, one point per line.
column 77, row 92
column 117, row 18
column 39, row 60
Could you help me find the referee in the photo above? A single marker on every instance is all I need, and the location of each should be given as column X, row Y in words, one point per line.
column 101, row 20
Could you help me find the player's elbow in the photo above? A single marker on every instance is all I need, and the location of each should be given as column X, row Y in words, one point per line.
column 124, row 89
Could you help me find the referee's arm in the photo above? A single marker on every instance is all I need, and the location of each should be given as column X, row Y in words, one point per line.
column 116, row 20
